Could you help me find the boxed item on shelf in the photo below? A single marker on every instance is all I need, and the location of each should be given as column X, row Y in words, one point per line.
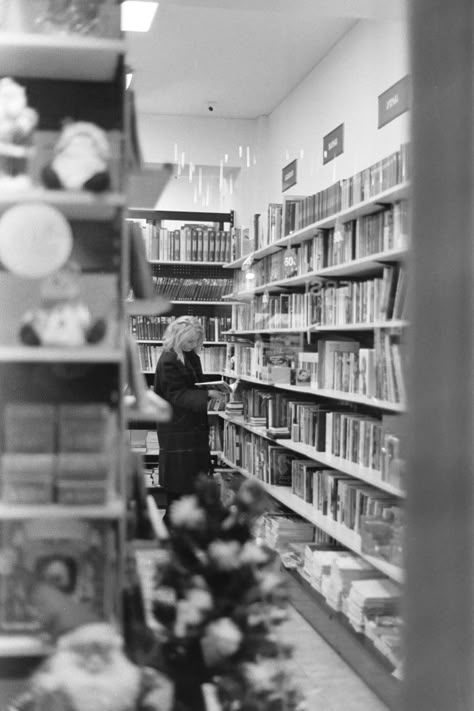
column 27, row 478
column 84, row 427
column 29, row 427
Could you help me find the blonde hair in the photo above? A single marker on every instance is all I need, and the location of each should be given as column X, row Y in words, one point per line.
column 179, row 330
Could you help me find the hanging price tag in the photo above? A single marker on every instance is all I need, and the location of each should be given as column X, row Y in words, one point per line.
column 265, row 296
column 247, row 263
column 290, row 263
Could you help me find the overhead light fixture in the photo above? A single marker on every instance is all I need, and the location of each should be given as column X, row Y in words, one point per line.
column 128, row 79
column 137, row 15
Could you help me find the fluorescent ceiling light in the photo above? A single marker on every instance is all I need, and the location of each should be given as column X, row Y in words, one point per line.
column 137, row 15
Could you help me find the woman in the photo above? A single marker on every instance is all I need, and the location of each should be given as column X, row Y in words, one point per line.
column 183, row 441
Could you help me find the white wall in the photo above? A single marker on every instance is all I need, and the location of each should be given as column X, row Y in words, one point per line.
column 342, row 88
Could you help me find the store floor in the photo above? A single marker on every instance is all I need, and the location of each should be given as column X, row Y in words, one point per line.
column 325, row 679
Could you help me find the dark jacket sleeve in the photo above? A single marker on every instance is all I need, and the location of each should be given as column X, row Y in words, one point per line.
column 172, row 384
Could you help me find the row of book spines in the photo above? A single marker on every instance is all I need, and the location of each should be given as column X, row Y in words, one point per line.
column 192, row 289
column 212, row 358
column 349, row 302
column 364, row 301
column 364, row 185
column 357, row 439
column 154, row 327
column 280, row 311
column 186, row 244
column 359, row 238
column 338, row 496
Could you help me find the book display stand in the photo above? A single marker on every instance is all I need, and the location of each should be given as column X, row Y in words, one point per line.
column 319, row 351
column 62, row 349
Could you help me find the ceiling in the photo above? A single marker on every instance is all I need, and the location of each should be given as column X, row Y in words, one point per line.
column 241, row 56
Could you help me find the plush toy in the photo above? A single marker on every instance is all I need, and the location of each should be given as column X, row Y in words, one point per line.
column 17, row 123
column 80, row 159
column 89, row 671
column 62, row 319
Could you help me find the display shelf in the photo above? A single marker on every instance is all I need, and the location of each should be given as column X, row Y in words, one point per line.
column 251, row 331
column 61, row 56
column 345, row 536
column 330, row 394
column 201, row 303
column 75, row 205
column 160, row 340
column 23, row 645
column 189, row 263
column 365, row 474
column 113, row 510
column 43, row 354
column 398, row 192
column 357, row 267
column 393, row 323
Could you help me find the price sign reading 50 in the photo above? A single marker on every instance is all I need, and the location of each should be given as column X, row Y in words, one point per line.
column 290, row 263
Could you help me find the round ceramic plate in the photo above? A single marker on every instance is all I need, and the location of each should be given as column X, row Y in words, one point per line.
column 35, row 240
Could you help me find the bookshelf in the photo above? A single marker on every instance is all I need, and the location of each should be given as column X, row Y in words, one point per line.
column 347, row 287
column 63, row 465
column 186, row 252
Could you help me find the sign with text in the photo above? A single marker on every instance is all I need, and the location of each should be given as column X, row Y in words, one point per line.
column 288, row 176
column 394, row 102
column 333, row 144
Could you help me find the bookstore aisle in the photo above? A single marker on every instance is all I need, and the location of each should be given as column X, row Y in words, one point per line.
column 324, row 678
column 327, row 682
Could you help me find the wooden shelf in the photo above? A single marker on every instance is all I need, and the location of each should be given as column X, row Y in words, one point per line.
column 112, row 510
column 203, row 303
column 74, row 204
column 265, row 330
column 64, row 56
column 344, row 535
column 43, row 354
column 398, row 192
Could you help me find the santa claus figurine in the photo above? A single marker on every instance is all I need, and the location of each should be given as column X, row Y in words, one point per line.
column 89, row 671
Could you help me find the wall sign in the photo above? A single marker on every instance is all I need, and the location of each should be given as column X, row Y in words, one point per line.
column 333, row 144
column 394, row 101
column 288, row 176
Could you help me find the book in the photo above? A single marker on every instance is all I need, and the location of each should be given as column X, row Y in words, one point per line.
column 74, row 556
column 215, row 385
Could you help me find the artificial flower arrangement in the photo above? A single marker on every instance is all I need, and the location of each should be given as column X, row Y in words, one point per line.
column 220, row 599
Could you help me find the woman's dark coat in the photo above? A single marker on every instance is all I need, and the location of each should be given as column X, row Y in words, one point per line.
column 183, row 442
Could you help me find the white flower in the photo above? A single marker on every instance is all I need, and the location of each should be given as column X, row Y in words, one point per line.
column 200, row 599
column 221, row 639
column 225, row 554
column 164, row 595
column 270, row 582
column 188, row 615
column 262, row 675
column 253, row 554
column 186, row 513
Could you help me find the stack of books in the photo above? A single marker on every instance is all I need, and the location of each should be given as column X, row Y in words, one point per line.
column 281, row 529
column 385, row 632
column 371, row 597
column 345, row 569
column 317, row 563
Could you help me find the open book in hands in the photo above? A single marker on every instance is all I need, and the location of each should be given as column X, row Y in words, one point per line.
column 220, row 385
